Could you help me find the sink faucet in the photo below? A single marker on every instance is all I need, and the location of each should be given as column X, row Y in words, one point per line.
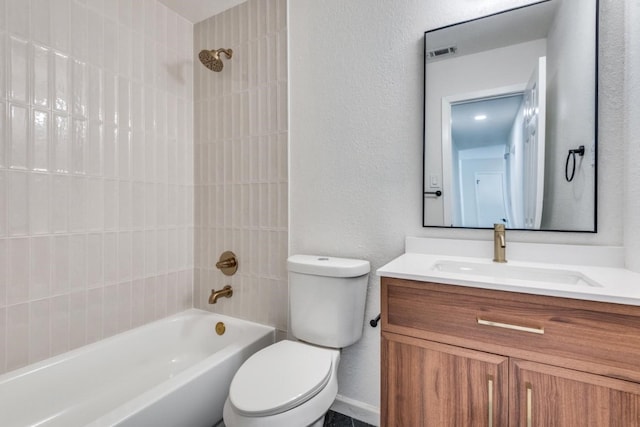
column 226, row 292
column 499, row 243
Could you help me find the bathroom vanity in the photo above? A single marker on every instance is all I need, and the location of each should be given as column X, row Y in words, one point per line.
column 531, row 344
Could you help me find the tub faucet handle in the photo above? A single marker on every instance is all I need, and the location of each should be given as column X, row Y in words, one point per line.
column 228, row 263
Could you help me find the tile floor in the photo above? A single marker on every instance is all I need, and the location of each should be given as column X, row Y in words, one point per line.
column 335, row 419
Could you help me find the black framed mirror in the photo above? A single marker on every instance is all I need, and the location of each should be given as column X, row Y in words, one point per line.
column 510, row 119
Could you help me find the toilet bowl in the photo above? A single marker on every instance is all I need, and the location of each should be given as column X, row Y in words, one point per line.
column 293, row 383
column 296, row 388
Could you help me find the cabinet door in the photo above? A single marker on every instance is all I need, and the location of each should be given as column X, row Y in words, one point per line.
column 547, row 396
column 436, row 385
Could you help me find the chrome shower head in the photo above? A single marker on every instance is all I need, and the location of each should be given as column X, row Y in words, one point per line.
column 211, row 58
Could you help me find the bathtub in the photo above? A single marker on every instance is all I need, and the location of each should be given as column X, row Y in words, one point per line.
column 173, row 372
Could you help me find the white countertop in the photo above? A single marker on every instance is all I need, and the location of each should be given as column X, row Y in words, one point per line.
column 612, row 284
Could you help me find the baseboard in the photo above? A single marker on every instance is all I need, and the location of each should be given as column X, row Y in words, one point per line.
column 358, row 410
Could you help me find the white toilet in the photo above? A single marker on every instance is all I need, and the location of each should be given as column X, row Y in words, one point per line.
column 293, row 383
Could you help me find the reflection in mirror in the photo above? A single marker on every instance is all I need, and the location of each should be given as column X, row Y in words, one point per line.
column 506, row 98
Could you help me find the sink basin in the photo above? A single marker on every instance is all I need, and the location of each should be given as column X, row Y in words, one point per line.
column 506, row 271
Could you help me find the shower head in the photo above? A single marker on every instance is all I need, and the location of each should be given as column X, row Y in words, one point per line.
column 211, row 58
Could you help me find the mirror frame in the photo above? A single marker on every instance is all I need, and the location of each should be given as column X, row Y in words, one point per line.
column 595, row 127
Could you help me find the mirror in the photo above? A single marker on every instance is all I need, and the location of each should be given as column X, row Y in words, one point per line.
column 511, row 119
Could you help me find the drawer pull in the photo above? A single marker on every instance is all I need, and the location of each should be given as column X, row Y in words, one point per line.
column 510, row 326
column 529, row 405
column 490, row 390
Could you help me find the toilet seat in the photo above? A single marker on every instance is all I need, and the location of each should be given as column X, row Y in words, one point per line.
column 279, row 378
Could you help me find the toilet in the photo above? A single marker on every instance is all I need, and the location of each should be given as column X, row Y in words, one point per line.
column 293, row 383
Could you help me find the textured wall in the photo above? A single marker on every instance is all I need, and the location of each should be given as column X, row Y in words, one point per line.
column 356, row 141
column 241, row 161
column 632, row 128
column 95, row 171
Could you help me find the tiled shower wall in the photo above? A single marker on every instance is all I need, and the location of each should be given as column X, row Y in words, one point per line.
column 96, row 172
column 241, row 161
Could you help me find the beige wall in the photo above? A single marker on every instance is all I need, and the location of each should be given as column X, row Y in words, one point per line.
column 241, row 177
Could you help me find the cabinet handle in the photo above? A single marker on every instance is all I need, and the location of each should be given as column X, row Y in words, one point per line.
column 510, row 326
column 529, row 405
column 490, row 390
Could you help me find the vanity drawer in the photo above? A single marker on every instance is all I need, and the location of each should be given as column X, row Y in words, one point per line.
column 583, row 335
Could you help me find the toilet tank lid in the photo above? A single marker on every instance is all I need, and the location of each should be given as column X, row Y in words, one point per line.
column 319, row 265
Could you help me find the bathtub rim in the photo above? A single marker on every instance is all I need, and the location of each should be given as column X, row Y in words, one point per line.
column 165, row 387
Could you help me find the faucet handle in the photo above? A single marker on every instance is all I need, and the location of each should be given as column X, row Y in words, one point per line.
column 228, row 263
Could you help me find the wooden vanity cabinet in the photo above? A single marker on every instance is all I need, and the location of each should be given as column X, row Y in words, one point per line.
column 459, row 356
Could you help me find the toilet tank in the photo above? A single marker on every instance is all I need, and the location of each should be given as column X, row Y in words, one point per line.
column 327, row 297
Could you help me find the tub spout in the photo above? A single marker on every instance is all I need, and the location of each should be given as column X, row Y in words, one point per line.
column 226, row 292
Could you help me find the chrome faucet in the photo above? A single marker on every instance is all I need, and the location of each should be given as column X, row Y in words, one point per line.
column 499, row 243
column 226, row 292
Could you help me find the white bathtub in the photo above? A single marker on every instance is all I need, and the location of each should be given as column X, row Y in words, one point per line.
column 174, row 372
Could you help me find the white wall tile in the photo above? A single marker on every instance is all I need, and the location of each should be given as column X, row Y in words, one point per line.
column 95, row 162
column 39, row 141
column 124, row 307
column 3, row 21
column 110, row 150
column 61, row 139
column 110, row 98
column 79, row 31
column 60, row 203
column 18, row 137
column 3, row 126
column 77, row 262
column 124, row 205
column 110, row 310
column 18, row 203
column 78, row 319
column 95, row 204
column 59, row 324
column 95, row 54
column 95, row 314
column 241, row 160
column 60, row 273
column 93, row 149
column 124, row 51
column 39, row 330
column 18, row 271
column 61, row 90
column 41, row 60
column 124, row 153
column 78, row 145
column 17, row 354
column 137, row 17
column 60, row 20
column 39, row 198
column 79, row 88
column 4, row 273
column 94, row 260
column 110, row 204
column 18, row 12
column 78, row 204
column 137, row 254
column 124, row 256
column 95, row 105
column 110, row 60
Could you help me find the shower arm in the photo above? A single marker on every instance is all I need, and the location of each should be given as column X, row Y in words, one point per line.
column 227, row 52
